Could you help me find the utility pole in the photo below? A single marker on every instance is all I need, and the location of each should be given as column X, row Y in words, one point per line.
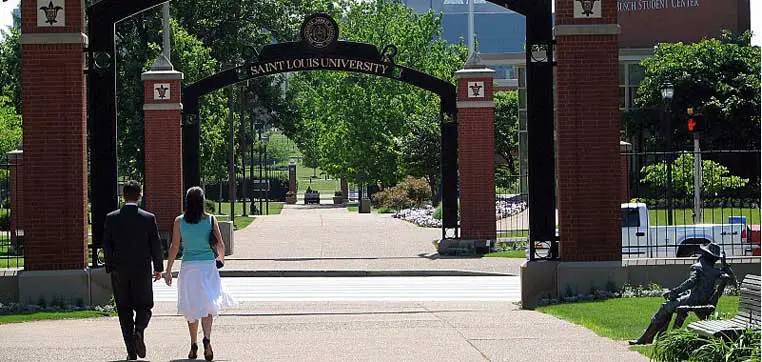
column 167, row 51
column 697, row 179
column 470, row 28
column 231, row 155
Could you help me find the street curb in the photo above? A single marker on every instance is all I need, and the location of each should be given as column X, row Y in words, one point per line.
column 356, row 273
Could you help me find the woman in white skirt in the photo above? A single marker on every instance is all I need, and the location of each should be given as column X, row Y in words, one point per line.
column 199, row 292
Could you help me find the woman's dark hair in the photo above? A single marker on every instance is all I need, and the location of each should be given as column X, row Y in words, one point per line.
column 194, row 205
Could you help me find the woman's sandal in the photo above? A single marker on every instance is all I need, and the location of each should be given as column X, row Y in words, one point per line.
column 208, row 353
column 193, row 351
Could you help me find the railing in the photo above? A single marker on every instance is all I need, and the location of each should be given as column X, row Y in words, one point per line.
column 11, row 228
column 670, row 211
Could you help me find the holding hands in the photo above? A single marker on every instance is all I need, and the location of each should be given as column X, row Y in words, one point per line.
column 168, row 278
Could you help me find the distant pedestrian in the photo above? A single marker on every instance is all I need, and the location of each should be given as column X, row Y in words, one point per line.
column 199, row 292
column 130, row 244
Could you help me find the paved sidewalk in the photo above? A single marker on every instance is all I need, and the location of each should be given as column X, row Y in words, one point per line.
column 331, row 331
column 303, row 238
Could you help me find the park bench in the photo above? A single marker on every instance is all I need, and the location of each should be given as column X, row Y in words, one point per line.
column 312, row 197
column 747, row 317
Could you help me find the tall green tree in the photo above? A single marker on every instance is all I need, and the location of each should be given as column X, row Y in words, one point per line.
column 720, row 78
column 10, row 125
column 357, row 122
column 10, row 64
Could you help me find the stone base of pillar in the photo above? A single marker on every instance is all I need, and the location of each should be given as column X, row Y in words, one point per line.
column 100, row 287
column 463, row 247
column 9, row 287
column 71, row 287
column 538, row 281
column 552, row 279
column 226, row 229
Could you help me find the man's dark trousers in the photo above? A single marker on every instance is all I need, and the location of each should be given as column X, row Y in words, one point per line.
column 133, row 293
column 133, row 251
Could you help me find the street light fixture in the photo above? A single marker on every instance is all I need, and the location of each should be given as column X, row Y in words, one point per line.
column 667, row 95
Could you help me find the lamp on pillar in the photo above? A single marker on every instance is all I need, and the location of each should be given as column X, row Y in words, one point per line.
column 667, row 94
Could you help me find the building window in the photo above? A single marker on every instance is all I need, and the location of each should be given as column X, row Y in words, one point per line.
column 630, row 76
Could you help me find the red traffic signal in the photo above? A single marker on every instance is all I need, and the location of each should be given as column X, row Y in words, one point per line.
column 695, row 124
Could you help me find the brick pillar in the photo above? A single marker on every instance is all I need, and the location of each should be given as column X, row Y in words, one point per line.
column 589, row 177
column 163, row 191
column 16, row 184
column 476, row 151
column 53, row 91
column 344, row 189
column 292, row 177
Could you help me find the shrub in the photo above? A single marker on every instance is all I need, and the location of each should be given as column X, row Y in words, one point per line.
column 5, row 221
column 210, row 207
column 438, row 213
column 410, row 193
column 338, row 194
column 683, row 345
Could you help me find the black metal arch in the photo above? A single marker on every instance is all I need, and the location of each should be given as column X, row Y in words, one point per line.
column 340, row 56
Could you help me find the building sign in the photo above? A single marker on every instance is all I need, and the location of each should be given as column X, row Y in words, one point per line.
column 650, row 5
column 587, row 8
column 645, row 23
column 161, row 91
column 51, row 13
column 475, row 89
column 351, row 65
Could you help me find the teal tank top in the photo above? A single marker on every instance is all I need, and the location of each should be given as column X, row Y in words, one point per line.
column 195, row 240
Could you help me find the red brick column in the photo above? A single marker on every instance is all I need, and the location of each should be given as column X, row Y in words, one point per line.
column 16, row 175
column 163, row 191
column 53, row 90
column 476, row 152
column 589, row 177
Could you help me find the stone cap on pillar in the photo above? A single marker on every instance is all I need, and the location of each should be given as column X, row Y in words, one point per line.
column 162, row 69
column 624, row 146
column 15, row 155
column 475, row 68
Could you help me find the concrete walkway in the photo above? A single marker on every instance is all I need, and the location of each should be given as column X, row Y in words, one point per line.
column 331, row 331
column 324, row 238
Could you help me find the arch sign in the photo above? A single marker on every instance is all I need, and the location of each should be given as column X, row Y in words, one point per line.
column 319, row 48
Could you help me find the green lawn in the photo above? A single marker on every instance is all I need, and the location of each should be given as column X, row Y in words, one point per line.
column 8, row 261
column 18, row 318
column 708, row 216
column 519, row 254
column 275, row 207
column 239, row 223
column 624, row 318
column 513, row 234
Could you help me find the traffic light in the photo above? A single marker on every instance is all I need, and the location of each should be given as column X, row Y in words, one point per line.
column 695, row 123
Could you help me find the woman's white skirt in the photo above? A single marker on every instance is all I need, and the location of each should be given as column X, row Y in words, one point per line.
column 199, row 290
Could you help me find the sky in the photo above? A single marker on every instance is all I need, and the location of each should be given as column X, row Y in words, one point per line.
column 756, row 17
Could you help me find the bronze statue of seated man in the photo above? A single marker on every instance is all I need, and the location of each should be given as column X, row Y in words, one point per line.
column 701, row 290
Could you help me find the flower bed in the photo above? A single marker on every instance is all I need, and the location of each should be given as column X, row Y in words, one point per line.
column 424, row 216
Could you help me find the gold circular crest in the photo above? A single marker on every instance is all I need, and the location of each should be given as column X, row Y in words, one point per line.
column 320, row 31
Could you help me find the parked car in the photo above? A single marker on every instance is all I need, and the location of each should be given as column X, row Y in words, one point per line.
column 640, row 239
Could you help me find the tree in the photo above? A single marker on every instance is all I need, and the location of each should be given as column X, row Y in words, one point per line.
column 716, row 178
column 10, row 64
column 358, row 122
column 420, row 154
column 506, row 138
column 719, row 77
column 10, row 124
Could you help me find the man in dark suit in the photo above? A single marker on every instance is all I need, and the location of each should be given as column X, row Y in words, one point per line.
column 131, row 244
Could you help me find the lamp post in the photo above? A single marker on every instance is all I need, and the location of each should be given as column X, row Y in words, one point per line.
column 265, row 139
column 667, row 94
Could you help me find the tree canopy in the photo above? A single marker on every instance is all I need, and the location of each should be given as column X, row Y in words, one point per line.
column 354, row 124
column 719, row 78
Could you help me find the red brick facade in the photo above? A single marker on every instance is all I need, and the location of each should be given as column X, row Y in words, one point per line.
column 476, row 158
column 163, row 190
column 589, row 167
column 53, row 91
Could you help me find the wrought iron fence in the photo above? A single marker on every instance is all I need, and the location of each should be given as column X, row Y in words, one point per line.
column 668, row 211
column 11, row 216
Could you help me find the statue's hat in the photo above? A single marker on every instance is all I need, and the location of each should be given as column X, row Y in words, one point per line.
column 711, row 249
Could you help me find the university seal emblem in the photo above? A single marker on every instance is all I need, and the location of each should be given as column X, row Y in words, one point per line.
column 320, row 31
column 587, row 6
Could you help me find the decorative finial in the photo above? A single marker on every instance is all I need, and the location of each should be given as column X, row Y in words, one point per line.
column 162, row 64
